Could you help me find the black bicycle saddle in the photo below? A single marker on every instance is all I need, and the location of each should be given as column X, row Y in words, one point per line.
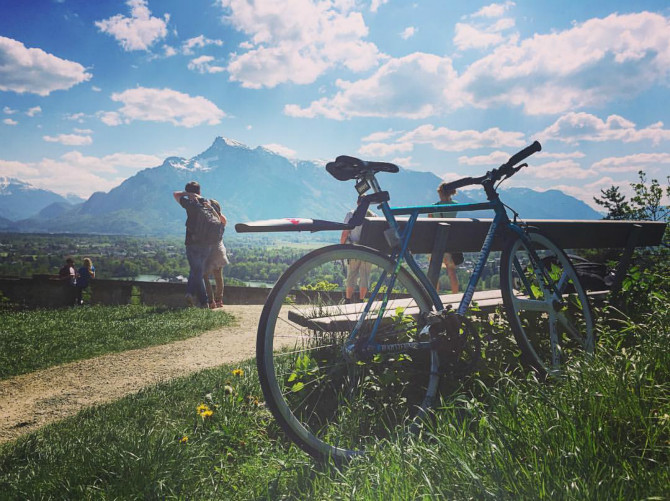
column 345, row 167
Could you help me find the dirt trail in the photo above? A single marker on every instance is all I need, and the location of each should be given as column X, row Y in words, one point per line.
column 30, row 401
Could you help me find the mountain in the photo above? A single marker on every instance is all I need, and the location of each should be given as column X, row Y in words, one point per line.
column 256, row 184
column 20, row 200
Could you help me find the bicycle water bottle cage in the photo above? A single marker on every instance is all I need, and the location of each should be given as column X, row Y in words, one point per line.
column 345, row 168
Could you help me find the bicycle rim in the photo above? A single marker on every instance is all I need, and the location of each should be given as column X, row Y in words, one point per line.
column 548, row 310
column 330, row 405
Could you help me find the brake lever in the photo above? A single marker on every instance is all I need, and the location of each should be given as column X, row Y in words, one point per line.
column 516, row 169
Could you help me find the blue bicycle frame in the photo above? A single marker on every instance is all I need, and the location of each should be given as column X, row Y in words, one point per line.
column 401, row 253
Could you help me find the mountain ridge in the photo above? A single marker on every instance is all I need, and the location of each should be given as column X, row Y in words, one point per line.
column 251, row 184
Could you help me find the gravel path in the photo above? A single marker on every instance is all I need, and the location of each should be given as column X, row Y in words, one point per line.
column 30, row 401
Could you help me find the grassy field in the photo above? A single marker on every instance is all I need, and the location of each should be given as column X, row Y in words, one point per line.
column 601, row 431
column 32, row 340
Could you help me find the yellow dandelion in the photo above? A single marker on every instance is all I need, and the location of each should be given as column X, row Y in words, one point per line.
column 183, row 439
column 206, row 414
column 238, row 372
column 202, row 408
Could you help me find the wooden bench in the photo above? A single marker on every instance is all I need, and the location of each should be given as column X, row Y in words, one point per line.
column 436, row 236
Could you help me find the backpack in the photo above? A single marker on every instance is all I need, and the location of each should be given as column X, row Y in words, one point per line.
column 592, row 276
column 207, row 227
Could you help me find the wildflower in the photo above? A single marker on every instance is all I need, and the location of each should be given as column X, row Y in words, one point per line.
column 202, row 408
column 183, row 439
column 238, row 372
column 253, row 401
column 206, row 414
column 228, row 390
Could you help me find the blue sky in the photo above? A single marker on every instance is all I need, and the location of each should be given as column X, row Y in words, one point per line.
column 92, row 92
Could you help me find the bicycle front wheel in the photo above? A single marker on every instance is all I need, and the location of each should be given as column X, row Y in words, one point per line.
column 331, row 402
column 545, row 303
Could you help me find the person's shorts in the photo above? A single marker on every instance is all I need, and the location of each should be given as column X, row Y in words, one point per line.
column 358, row 270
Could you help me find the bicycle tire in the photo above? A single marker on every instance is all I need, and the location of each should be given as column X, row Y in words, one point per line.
column 549, row 331
column 349, row 404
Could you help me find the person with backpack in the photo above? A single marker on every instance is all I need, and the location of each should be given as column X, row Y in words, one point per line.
column 204, row 231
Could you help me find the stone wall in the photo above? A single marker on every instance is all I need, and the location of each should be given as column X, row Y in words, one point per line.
column 44, row 291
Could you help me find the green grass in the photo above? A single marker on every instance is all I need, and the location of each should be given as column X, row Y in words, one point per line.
column 601, row 431
column 32, row 340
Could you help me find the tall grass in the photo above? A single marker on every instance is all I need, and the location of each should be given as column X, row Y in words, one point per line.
column 600, row 431
column 32, row 340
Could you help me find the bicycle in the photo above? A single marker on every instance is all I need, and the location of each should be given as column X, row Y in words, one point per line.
column 336, row 376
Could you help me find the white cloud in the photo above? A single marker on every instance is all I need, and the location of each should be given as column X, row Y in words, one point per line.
column 500, row 157
column 203, row 65
column 380, row 136
column 589, row 64
column 9, row 121
column 198, row 42
column 481, row 36
column 560, row 156
column 9, row 111
column 33, row 70
column 69, row 139
column 444, row 139
column 560, row 169
column 282, row 150
column 169, row 51
column 404, row 162
column 575, row 127
column 95, row 88
column 137, row 32
column 408, row 32
column 18, row 170
column 111, row 118
column 76, row 117
column 35, row 110
column 296, row 40
column 162, row 105
column 493, row 158
column 385, row 149
column 415, row 86
column 375, row 4
column 494, row 9
column 632, row 163
column 586, row 192
column 77, row 173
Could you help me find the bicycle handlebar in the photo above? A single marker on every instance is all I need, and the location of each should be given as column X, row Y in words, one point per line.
column 505, row 170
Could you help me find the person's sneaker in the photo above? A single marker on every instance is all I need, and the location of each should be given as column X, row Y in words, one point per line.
column 213, row 305
column 219, row 304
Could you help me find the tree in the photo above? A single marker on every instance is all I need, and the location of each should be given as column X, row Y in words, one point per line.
column 615, row 203
column 646, row 203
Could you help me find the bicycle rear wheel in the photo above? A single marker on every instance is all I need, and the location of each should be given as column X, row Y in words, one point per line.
column 545, row 303
column 329, row 403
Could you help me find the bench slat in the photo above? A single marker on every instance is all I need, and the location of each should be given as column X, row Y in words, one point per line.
column 341, row 318
column 467, row 235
